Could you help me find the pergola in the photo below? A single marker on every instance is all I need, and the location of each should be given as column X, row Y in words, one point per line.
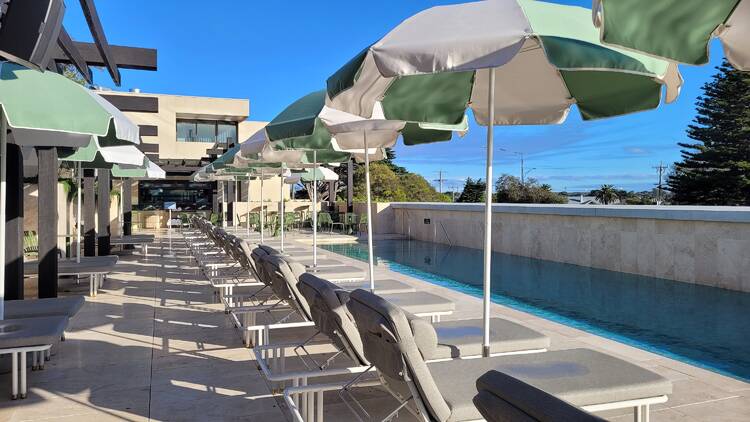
column 59, row 50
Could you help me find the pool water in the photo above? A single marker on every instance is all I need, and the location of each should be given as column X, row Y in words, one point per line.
column 700, row 325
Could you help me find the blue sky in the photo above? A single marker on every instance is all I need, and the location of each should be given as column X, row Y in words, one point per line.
column 274, row 52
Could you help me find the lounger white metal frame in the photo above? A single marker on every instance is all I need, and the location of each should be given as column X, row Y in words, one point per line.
column 40, row 353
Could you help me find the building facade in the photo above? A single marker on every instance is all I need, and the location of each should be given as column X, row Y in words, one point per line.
column 182, row 134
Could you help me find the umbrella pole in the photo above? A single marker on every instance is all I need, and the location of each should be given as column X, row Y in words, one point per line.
column 247, row 212
column 3, row 204
column 262, row 223
column 370, row 258
column 486, row 279
column 79, row 181
column 235, row 223
column 281, row 209
column 315, row 208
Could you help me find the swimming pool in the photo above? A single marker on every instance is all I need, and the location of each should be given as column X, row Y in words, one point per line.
column 703, row 326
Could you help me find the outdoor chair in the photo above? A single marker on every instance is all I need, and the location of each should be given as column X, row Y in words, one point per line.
column 30, row 243
column 502, row 398
column 362, row 225
column 446, row 340
column 586, row 378
column 324, row 219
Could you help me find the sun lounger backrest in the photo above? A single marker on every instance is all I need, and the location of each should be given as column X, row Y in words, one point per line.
column 502, row 398
column 284, row 277
column 389, row 345
column 330, row 314
column 260, row 269
column 269, row 250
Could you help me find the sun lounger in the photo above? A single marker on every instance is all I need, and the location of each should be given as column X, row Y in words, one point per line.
column 95, row 267
column 136, row 239
column 502, row 398
column 24, row 335
column 30, row 308
column 440, row 341
column 586, row 378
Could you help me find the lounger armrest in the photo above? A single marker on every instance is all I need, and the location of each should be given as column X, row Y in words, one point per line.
column 504, row 398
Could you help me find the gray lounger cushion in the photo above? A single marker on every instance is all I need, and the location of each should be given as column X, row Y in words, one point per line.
column 382, row 287
column 464, row 338
column 284, row 275
column 502, row 398
column 342, row 272
column 26, row 332
column 58, row 306
column 420, row 302
column 579, row 376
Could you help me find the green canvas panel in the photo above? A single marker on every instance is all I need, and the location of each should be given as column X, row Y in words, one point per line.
column 606, row 94
column 572, row 42
column 676, row 29
column 432, row 98
column 26, row 95
column 413, row 134
column 298, row 119
column 318, row 139
column 345, row 77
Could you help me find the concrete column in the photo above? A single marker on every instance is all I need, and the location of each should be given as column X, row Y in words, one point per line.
column 89, row 213
column 47, row 230
column 103, row 229
column 230, row 202
column 127, row 207
column 14, row 224
column 332, row 192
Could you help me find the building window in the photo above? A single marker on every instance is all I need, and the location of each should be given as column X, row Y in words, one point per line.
column 206, row 131
column 188, row 195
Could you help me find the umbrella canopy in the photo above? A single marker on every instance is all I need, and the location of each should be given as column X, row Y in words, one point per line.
column 147, row 170
column 47, row 109
column 679, row 30
column 103, row 153
column 548, row 58
column 322, row 174
column 541, row 59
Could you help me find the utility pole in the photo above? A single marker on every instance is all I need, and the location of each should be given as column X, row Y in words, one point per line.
column 523, row 176
column 660, row 171
column 440, row 179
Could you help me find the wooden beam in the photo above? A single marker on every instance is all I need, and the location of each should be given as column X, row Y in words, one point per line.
column 127, row 207
column 149, row 130
column 69, row 48
column 103, row 229
column 47, row 231
column 135, row 58
column 133, row 103
column 95, row 25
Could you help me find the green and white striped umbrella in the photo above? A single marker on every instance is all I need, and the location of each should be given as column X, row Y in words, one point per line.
column 147, row 170
column 322, row 174
column 96, row 155
column 47, row 109
column 539, row 58
column 547, row 57
column 678, row 30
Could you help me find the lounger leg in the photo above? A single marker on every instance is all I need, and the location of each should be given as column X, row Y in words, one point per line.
column 641, row 413
column 295, row 397
column 14, row 377
column 91, row 285
column 319, row 406
column 303, row 400
column 23, row 375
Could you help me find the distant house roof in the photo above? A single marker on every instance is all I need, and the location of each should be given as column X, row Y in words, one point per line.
column 583, row 200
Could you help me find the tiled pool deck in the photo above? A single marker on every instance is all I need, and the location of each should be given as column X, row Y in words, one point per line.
column 153, row 345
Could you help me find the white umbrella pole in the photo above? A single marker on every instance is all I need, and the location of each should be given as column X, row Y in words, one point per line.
column 235, row 222
column 370, row 258
column 247, row 212
column 3, row 204
column 315, row 208
column 262, row 223
column 281, row 209
column 121, row 215
column 486, row 279
column 79, row 182
column 224, row 205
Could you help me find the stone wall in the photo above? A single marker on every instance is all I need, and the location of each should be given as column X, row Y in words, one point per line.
column 703, row 245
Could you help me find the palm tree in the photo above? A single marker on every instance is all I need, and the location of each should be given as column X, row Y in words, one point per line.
column 606, row 194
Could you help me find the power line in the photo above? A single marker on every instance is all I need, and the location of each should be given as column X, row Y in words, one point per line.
column 660, row 171
column 440, row 179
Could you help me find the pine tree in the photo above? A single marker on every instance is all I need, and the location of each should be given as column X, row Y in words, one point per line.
column 473, row 191
column 715, row 170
